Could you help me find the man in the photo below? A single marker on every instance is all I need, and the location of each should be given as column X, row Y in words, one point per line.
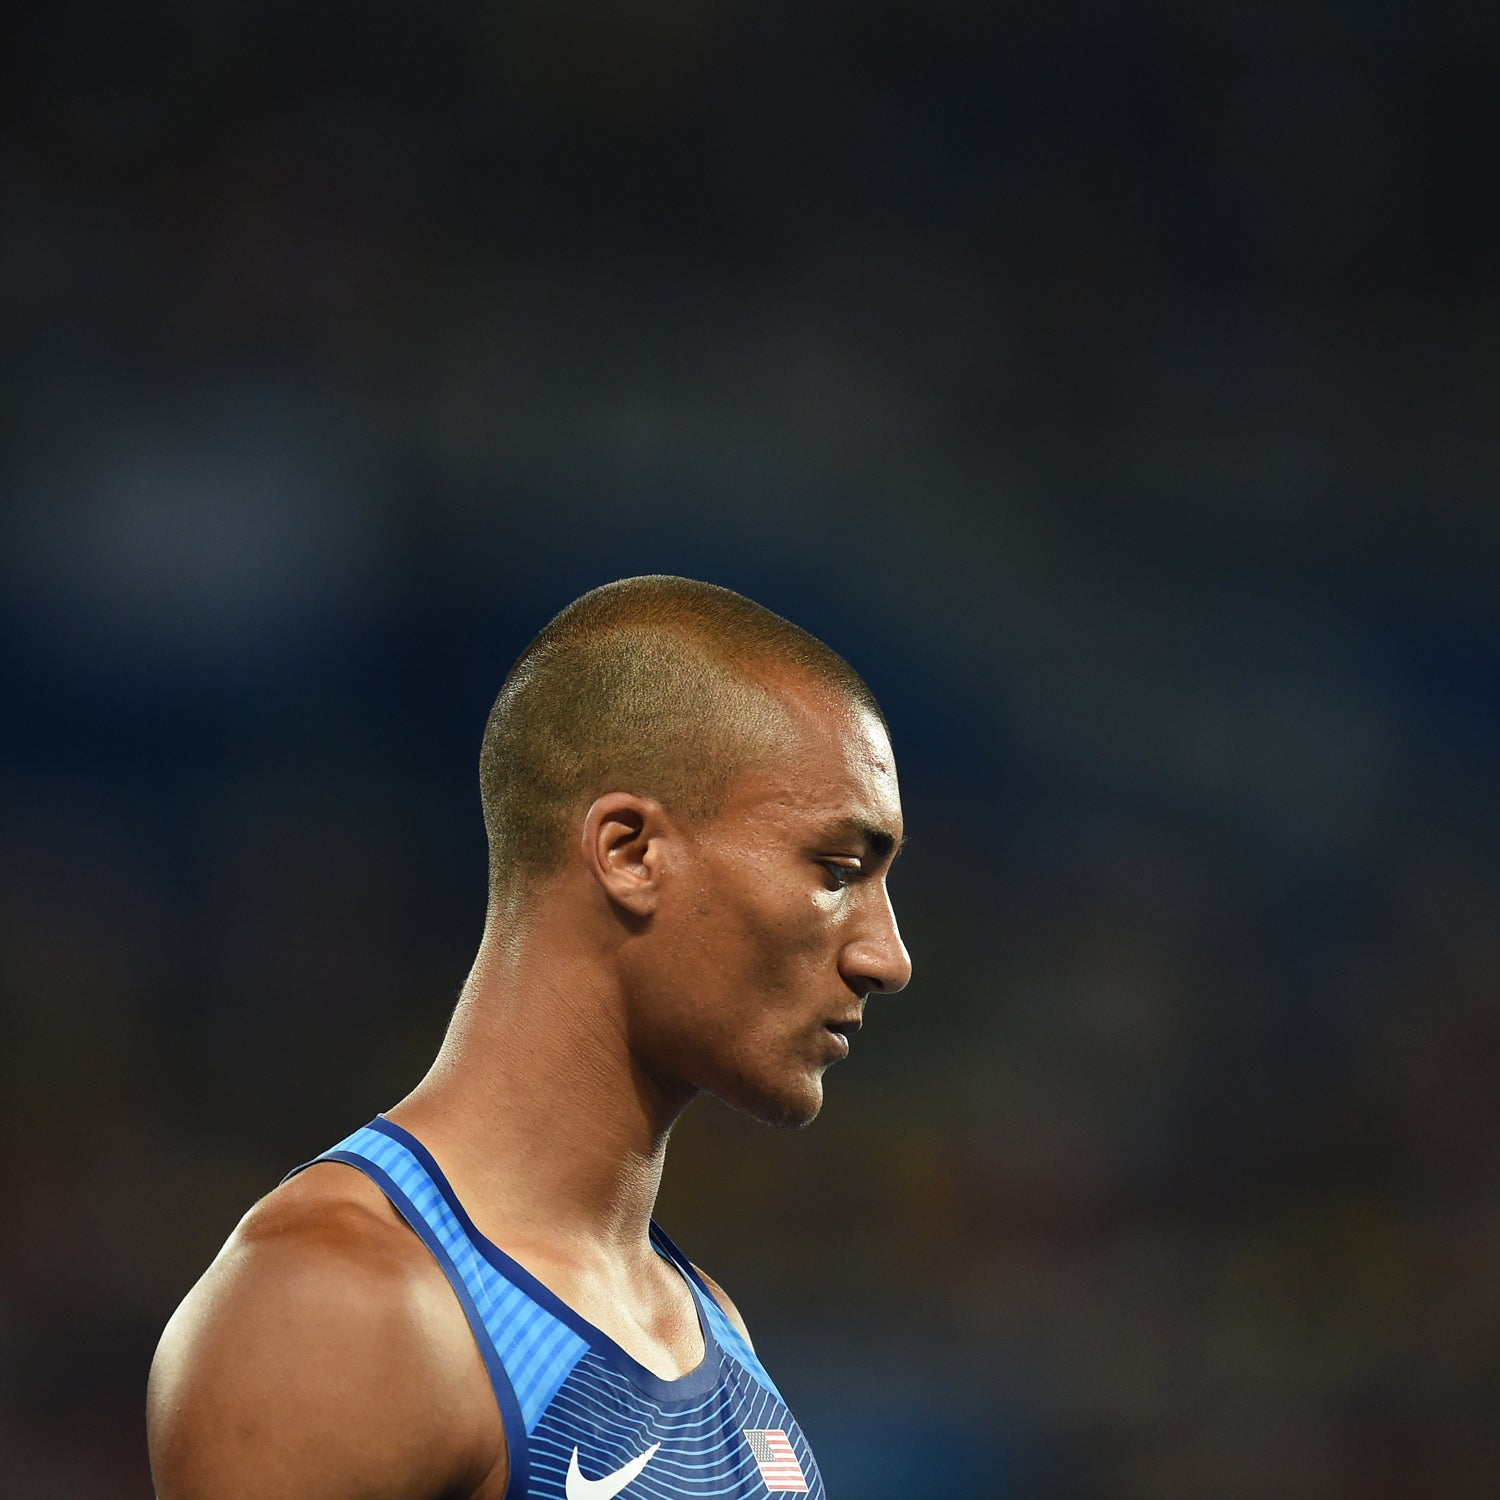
column 692, row 809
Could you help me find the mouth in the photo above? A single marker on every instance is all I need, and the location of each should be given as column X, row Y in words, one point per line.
column 843, row 1033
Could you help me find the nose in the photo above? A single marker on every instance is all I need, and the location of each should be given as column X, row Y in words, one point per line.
column 875, row 958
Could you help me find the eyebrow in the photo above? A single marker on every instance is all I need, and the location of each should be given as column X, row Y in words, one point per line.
column 880, row 841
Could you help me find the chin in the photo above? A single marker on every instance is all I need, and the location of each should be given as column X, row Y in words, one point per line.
column 784, row 1108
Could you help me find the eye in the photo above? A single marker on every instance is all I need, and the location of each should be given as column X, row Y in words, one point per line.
column 840, row 872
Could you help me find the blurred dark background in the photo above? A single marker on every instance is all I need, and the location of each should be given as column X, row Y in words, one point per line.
column 1118, row 387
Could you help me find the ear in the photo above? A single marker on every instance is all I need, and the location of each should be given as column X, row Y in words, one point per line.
column 623, row 848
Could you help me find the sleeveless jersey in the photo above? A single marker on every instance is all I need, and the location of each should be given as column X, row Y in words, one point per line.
column 583, row 1420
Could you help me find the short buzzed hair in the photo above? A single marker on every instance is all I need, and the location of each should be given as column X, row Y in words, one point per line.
column 657, row 685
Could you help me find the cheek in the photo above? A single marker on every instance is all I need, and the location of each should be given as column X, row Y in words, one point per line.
column 752, row 942
column 792, row 946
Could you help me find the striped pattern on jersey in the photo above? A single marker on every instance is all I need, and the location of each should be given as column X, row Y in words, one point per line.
column 565, row 1388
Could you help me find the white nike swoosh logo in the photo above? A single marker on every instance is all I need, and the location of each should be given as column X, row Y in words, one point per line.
column 610, row 1485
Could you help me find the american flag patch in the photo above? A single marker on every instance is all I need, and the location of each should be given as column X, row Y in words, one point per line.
column 778, row 1463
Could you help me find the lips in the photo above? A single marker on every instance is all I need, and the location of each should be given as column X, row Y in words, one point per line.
column 842, row 1032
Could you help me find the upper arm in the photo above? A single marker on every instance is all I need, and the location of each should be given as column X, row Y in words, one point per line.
column 730, row 1310
column 303, row 1365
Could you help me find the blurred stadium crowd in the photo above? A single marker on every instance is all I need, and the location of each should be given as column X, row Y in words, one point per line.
column 1118, row 387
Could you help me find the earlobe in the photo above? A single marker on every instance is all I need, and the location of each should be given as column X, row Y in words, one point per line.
column 622, row 849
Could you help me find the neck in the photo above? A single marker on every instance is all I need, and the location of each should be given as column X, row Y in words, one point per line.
column 535, row 1106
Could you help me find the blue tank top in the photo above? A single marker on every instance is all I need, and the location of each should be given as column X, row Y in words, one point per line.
column 583, row 1420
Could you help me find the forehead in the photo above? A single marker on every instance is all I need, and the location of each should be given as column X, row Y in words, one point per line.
column 830, row 762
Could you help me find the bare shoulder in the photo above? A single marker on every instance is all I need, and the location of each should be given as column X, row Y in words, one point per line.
column 322, row 1354
column 722, row 1298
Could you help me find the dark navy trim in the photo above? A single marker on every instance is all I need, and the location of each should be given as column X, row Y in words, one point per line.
column 695, row 1383
column 510, row 1409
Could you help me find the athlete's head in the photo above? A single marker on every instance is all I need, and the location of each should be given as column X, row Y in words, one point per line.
column 663, row 686
column 715, row 791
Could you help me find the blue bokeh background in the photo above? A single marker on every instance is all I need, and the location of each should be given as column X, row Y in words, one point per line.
column 1117, row 387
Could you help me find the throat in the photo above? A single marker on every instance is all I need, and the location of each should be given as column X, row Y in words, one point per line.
column 652, row 1315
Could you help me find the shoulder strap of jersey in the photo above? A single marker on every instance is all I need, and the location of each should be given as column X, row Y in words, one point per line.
column 527, row 1351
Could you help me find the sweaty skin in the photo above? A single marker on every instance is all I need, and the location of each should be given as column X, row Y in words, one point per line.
column 323, row 1356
